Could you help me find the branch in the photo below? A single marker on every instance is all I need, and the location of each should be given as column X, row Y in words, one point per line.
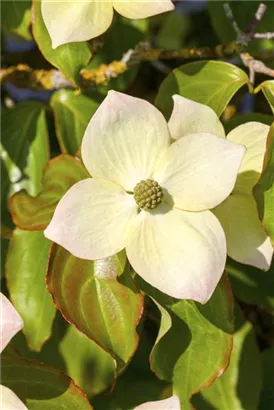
column 267, row 36
column 23, row 76
column 244, row 37
column 255, row 66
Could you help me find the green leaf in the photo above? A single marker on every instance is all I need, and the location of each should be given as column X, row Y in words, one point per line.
column 16, row 16
column 174, row 29
column 41, row 387
column 267, row 88
column 6, row 234
column 35, row 213
column 89, row 295
column 24, row 150
column 267, row 396
column 264, row 189
column 244, row 13
column 198, row 339
column 239, row 387
column 26, row 269
column 72, row 114
column 90, row 366
column 251, row 285
column 122, row 36
column 243, row 118
column 209, row 82
column 92, row 369
column 137, row 384
column 49, row 353
column 68, row 58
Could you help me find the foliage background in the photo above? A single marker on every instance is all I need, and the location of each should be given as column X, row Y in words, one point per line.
column 42, row 128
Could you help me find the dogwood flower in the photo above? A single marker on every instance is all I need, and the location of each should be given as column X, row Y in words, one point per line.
column 80, row 20
column 246, row 240
column 10, row 324
column 150, row 197
column 9, row 400
column 172, row 403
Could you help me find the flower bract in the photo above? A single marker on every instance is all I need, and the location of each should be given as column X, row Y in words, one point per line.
column 10, row 324
column 178, row 246
column 9, row 400
column 172, row 403
column 70, row 21
column 246, row 239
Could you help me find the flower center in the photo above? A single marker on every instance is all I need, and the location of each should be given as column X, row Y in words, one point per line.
column 148, row 194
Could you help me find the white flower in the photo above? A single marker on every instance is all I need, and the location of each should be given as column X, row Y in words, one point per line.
column 10, row 324
column 9, row 400
column 172, row 403
column 246, row 240
column 178, row 246
column 80, row 20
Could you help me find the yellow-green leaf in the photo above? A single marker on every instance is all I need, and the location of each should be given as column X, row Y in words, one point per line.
column 208, row 82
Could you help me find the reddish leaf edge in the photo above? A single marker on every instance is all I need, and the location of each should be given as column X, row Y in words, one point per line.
column 226, row 362
column 116, row 372
column 52, row 369
column 227, row 358
column 23, row 191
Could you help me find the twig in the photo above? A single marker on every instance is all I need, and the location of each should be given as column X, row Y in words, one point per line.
column 25, row 77
column 267, row 36
column 229, row 14
column 255, row 21
column 255, row 66
column 22, row 76
column 103, row 74
column 244, row 37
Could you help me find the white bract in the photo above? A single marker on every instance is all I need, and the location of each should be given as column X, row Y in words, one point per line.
column 172, row 403
column 80, row 20
column 9, row 400
column 246, row 239
column 10, row 324
column 175, row 243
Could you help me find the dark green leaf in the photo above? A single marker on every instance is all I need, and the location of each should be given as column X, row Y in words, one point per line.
column 89, row 295
column 174, row 28
column 264, row 189
column 136, row 385
column 90, row 366
column 72, row 114
column 68, row 58
column 239, row 387
column 26, row 269
column 243, row 118
column 41, row 387
column 209, row 82
column 252, row 285
column 24, row 150
column 16, row 16
column 194, row 342
column 267, row 396
column 35, row 213
column 123, row 35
